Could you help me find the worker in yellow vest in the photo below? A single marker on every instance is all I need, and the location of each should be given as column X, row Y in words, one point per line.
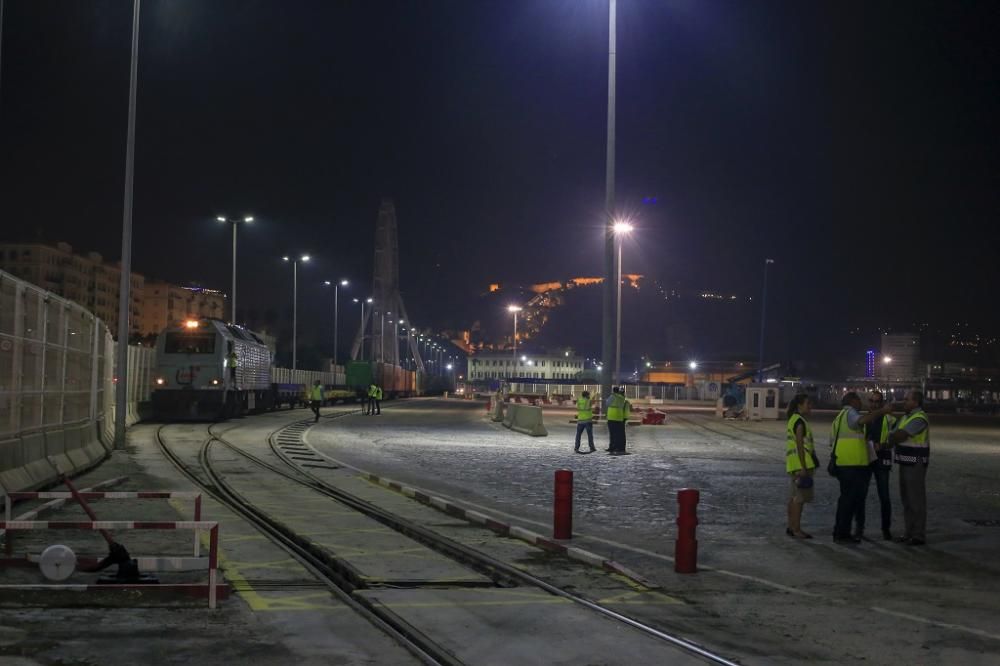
column 879, row 449
column 849, row 456
column 618, row 412
column 800, row 461
column 378, row 400
column 584, row 421
column 372, row 392
column 912, row 442
column 316, row 398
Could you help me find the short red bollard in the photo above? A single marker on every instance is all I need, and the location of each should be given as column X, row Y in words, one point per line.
column 686, row 551
column 562, row 517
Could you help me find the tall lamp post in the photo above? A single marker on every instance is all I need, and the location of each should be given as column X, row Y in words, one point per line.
column 295, row 306
column 763, row 320
column 336, row 315
column 235, row 222
column 608, row 342
column 514, row 309
column 125, row 279
column 362, row 302
column 621, row 229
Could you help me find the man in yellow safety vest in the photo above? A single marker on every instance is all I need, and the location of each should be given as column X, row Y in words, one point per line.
column 618, row 412
column 584, row 421
column 877, row 436
column 849, row 453
column 316, row 398
column 912, row 441
column 378, row 400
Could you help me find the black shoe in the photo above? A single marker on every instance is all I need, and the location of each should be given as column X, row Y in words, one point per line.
column 846, row 540
column 576, row 450
column 789, row 532
column 887, row 535
column 902, row 539
column 592, row 449
column 916, row 542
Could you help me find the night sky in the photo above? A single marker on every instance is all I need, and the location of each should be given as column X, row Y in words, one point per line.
column 855, row 143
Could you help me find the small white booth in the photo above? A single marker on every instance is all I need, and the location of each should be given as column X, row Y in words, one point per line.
column 762, row 402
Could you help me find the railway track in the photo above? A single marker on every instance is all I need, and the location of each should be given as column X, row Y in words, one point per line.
column 341, row 577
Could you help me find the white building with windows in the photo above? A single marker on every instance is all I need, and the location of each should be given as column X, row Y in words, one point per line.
column 502, row 365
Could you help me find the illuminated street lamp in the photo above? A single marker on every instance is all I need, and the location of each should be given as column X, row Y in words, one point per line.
column 887, row 359
column 621, row 229
column 763, row 312
column 693, row 365
column 336, row 312
column 235, row 222
column 295, row 305
column 514, row 309
column 362, row 302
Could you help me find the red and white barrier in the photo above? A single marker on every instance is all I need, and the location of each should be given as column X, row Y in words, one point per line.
column 93, row 494
column 212, row 527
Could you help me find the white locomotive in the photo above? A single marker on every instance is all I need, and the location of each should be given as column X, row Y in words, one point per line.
column 194, row 376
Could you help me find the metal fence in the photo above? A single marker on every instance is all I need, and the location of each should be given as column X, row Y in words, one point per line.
column 632, row 391
column 57, row 380
column 307, row 377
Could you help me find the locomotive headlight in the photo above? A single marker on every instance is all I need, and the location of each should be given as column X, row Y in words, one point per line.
column 160, row 381
column 215, row 382
column 191, row 323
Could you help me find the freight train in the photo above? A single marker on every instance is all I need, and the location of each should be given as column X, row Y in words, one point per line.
column 195, row 380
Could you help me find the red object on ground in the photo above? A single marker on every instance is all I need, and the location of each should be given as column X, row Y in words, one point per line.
column 653, row 417
column 686, row 550
column 562, row 517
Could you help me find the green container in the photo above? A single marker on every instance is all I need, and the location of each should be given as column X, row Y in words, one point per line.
column 359, row 375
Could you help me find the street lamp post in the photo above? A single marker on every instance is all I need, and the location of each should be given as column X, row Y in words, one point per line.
column 336, row 315
column 125, row 279
column 295, row 306
column 621, row 229
column 763, row 313
column 367, row 300
column 514, row 309
column 608, row 342
column 235, row 222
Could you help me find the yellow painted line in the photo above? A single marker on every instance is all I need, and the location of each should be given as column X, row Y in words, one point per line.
column 470, row 604
column 641, row 599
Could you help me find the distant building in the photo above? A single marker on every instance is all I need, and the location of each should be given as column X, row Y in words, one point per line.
column 900, row 358
column 166, row 304
column 93, row 283
column 870, row 364
column 84, row 279
column 503, row 365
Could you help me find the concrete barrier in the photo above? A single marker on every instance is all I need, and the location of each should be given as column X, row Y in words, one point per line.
column 497, row 411
column 525, row 419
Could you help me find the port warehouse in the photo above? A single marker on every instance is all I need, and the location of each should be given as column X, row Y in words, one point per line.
column 57, row 380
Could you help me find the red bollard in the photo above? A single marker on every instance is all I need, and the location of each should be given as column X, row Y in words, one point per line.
column 562, row 517
column 686, row 551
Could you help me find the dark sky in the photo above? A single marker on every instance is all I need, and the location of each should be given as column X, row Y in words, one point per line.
column 855, row 143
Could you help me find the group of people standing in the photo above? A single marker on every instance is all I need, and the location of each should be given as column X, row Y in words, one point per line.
column 862, row 446
column 374, row 406
column 618, row 411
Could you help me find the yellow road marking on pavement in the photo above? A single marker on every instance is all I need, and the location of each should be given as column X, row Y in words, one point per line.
column 549, row 600
column 641, row 599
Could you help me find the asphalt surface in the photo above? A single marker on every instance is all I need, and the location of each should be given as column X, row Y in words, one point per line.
column 760, row 595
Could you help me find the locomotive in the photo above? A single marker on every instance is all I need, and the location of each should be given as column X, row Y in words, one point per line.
column 195, row 379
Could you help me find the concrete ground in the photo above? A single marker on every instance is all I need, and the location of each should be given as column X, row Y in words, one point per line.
column 760, row 595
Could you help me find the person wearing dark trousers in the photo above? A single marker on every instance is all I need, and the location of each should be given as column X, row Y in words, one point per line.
column 849, row 452
column 316, row 398
column 912, row 442
column 617, row 414
column 371, row 399
column 378, row 400
column 877, row 436
column 584, row 421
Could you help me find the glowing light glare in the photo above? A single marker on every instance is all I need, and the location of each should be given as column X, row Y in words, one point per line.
column 622, row 227
column 191, row 323
column 524, row 358
column 513, row 308
column 343, row 283
column 693, row 365
column 221, row 219
column 305, row 257
column 160, row 381
column 449, row 366
column 369, row 300
column 326, row 282
column 284, row 259
column 248, row 218
column 887, row 359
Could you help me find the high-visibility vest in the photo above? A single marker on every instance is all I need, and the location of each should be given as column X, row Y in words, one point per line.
column 371, row 391
column 618, row 408
column 884, row 453
column 583, row 410
column 316, row 393
column 792, row 463
column 916, row 449
column 849, row 445
column 232, row 359
column 378, row 392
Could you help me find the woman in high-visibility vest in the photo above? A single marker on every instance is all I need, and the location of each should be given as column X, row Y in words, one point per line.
column 799, row 462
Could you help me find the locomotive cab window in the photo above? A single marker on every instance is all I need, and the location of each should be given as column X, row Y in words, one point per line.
column 189, row 343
